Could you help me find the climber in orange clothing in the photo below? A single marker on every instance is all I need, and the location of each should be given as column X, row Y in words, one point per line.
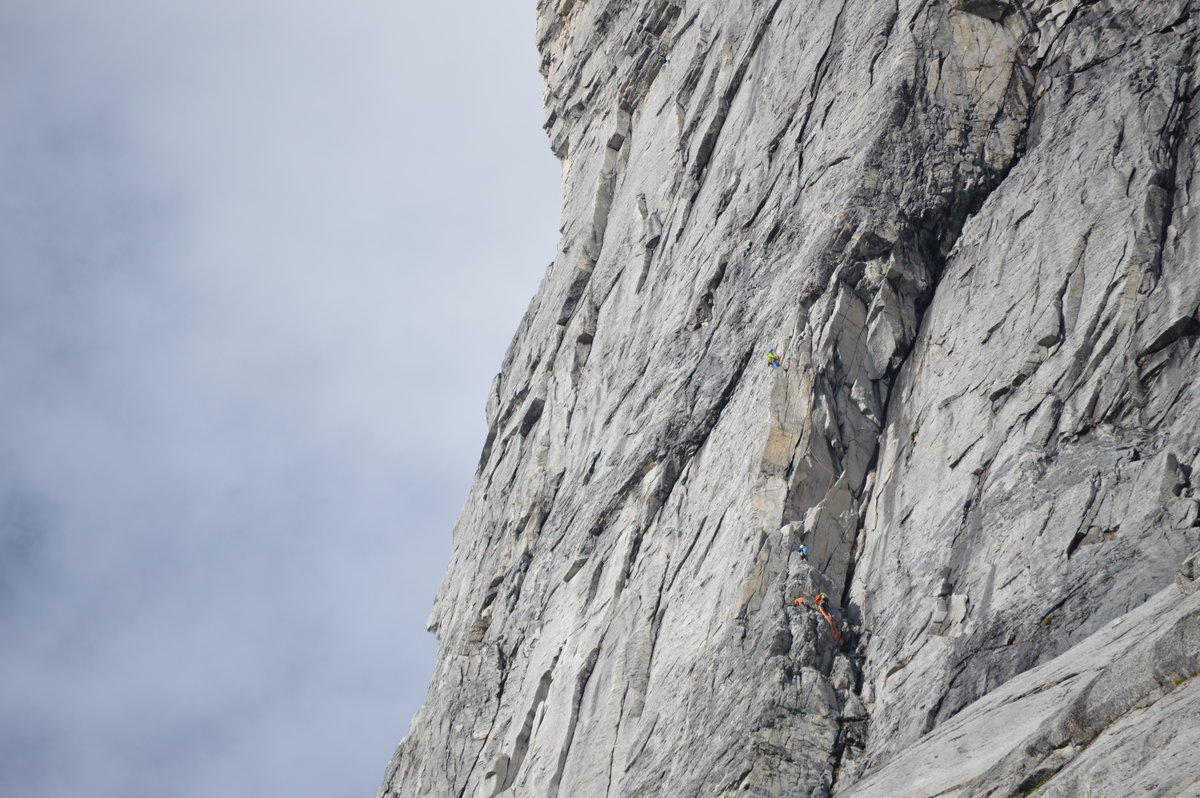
column 819, row 603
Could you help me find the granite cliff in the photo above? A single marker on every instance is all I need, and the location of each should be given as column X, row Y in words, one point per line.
column 969, row 229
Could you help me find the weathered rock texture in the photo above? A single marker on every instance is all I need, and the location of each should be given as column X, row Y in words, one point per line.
column 970, row 227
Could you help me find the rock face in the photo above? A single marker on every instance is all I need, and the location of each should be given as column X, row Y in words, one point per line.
column 970, row 228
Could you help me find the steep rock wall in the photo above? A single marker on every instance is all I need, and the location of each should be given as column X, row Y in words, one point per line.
column 968, row 227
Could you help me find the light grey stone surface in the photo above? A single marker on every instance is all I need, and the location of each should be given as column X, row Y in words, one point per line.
column 1118, row 714
column 969, row 228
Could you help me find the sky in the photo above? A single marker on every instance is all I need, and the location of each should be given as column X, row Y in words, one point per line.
column 259, row 261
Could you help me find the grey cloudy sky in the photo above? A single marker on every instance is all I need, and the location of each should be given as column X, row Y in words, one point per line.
column 259, row 260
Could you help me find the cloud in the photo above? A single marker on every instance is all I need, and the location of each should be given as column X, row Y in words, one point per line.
column 262, row 260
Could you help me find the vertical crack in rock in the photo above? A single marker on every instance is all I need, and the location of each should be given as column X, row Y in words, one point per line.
column 521, row 746
column 581, row 683
column 708, row 141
